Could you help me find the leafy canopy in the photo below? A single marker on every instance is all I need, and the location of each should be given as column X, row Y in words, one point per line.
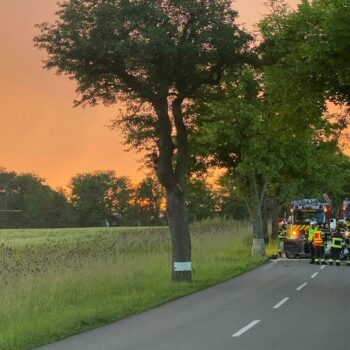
column 145, row 49
column 313, row 42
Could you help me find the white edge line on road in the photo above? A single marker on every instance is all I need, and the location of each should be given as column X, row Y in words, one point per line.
column 281, row 303
column 246, row 328
column 314, row 275
column 322, row 267
column 302, row 286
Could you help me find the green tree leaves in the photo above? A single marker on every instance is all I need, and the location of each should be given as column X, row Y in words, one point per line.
column 101, row 198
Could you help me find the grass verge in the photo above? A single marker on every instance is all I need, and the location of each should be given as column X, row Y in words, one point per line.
column 56, row 283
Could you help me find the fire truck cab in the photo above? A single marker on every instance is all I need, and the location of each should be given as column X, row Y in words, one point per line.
column 303, row 212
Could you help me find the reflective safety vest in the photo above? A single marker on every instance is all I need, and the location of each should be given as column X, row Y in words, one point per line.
column 337, row 242
column 318, row 241
column 282, row 234
column 310, row 237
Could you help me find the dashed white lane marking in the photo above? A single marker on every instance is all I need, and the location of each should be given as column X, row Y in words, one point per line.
column 322, row 267
column 302, row 286
column 246, row 328
column 314, row 275
column 281, row 303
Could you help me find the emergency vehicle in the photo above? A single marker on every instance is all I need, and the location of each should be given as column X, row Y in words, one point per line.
column 303, row 212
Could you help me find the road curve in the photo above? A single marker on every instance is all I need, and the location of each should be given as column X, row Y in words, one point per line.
column 284, row 304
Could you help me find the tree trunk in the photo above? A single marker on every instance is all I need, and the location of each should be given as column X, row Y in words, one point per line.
column 180, row 236
column 258, row 247
column 275, row 208
column 173, row 180
column 264, row 220
column 257, row 194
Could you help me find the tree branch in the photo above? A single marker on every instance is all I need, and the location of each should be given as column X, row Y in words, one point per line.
column 166, row 148
column 182, row 164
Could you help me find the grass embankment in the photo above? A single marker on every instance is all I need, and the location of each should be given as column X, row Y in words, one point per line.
column 56, row 283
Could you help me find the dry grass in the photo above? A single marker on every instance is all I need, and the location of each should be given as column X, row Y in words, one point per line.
column 59, row 282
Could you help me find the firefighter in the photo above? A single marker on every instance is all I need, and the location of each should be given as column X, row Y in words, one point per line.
column 318, row 246
column 310, row 240
column 336, row 246
column 282, row 230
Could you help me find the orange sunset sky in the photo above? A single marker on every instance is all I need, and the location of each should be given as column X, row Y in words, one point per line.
column 40, row 130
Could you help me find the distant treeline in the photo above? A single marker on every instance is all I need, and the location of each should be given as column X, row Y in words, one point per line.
column 102, row 198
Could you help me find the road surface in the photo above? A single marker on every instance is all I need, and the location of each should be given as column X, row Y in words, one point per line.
column 284, row 304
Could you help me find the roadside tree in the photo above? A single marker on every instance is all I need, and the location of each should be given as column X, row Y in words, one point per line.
column 101, row 198
column 262, row 144
column 151, row 53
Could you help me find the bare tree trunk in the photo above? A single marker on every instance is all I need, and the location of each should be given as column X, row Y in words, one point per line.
column 264, row 220
column 258, row 247
column 275, row 208
column 257, row 193
column 173, row 179
column 180, row 236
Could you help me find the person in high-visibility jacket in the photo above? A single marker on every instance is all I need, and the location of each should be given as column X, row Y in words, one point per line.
column 310, row 240
column 336, row 246
column 282, row 230
column 318, row 246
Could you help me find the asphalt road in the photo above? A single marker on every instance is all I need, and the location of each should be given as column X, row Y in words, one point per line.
column 283, row 304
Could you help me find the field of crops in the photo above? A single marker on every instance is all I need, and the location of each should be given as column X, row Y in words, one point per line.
column 58, row 282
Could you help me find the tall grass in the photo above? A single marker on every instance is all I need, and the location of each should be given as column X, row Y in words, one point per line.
column 55, row 283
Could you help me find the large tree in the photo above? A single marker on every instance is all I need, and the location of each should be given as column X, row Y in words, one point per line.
column 236, row 132
column 264, row 144
column 101, row 198
column 157, row 53
column 305, row 55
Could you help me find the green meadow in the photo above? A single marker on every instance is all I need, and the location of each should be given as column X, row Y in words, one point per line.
column 59, row 282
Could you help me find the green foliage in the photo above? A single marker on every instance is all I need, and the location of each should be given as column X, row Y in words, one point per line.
column 200, row 200
column 153, row 53
column 141, row 47
column 312, row 45
column 305, row 57
column 148, row 202
column 27, row 201
column 237, row 131
column 101, row 198
column 229, row 200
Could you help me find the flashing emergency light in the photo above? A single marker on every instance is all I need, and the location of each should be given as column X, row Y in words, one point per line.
column 294, row 234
